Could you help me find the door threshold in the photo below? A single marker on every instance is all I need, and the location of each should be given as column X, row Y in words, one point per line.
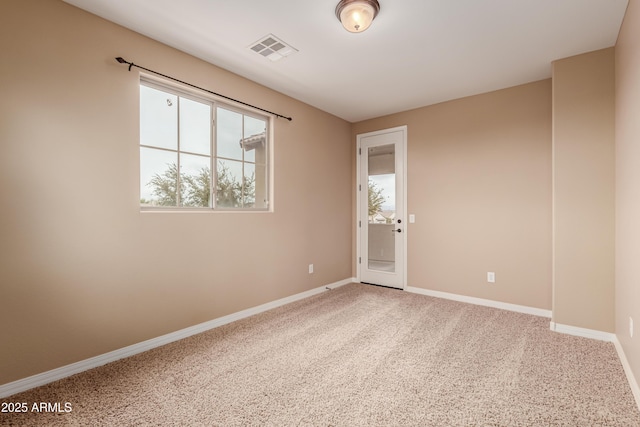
column 382, row 286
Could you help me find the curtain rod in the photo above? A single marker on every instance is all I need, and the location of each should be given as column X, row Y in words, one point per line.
column 131, row 64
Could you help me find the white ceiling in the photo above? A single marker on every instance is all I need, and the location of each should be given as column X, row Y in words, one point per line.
column 416, row 52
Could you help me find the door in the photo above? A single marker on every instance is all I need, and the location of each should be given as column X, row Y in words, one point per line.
column 381, row 207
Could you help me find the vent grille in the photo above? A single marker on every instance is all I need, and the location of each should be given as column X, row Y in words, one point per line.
column 272, row 48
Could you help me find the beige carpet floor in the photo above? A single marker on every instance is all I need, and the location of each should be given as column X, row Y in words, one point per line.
column 358, row 355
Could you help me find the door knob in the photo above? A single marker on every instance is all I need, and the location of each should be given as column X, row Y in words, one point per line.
column 397, row 230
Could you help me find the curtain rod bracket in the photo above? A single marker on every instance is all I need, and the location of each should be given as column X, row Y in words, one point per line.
column 121, row 60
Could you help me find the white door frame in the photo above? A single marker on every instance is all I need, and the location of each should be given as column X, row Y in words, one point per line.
column 364, row 186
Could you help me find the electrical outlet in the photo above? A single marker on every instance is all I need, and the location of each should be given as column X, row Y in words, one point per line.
column 631, row 326
column 491, row 277
column 310, row 268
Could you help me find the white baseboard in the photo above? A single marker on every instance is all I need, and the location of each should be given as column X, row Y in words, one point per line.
column 582, row 332
column 84, row 365
column 635, row 388
column 342, row 283
column 484, row 302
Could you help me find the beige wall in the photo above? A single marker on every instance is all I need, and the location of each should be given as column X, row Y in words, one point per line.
column 627, row 298
column 479, row 183
column 583, row 190
column 82, row 271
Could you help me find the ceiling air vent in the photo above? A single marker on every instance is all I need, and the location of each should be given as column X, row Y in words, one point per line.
column 273, row 48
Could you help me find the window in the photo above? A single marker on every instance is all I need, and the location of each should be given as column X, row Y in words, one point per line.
column 196, row 153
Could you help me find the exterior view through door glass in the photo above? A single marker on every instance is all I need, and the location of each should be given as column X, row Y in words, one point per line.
column 381, row 208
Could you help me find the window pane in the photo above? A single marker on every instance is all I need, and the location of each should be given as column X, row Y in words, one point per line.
column 229, row 134
column 158, row 177
column 249, row 190
column 229, row 184
column 158, row 118
column 382, row 198
column 195, row 127
column 196, row 176
column 254, row 137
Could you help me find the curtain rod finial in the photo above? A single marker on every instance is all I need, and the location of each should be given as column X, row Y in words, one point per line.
column 121, row 60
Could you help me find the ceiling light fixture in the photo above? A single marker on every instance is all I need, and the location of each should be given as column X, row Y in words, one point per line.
column 357, row 15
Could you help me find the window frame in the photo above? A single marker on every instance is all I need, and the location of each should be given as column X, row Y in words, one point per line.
column 214, row 102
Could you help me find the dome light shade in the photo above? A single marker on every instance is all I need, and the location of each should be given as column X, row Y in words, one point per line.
column 357, row 15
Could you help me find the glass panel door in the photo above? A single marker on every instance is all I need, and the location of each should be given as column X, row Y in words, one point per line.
column 381, row 231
